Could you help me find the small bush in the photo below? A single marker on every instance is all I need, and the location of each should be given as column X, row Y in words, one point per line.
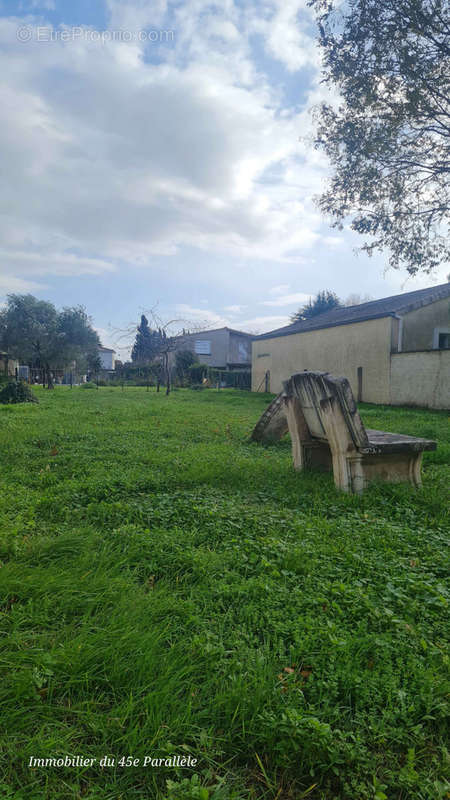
column 197, row 372
column 17, row 392
column 184, row 360
column 89, row 385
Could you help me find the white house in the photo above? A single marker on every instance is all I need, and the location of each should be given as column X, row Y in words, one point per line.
column 107, row 357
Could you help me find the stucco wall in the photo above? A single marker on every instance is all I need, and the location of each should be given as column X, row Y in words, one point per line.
column 421, row 379
column 107, row 359
column 418, row 325
column 219, row 346
column 339, row 350
column 224, row 347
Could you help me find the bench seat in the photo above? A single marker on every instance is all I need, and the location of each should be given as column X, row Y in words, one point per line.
column 381, row 442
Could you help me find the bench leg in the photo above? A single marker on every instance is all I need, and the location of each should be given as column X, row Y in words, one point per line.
column 298, row 431
column 358, row 479
column 415, row 466
column 337, row 436
column 341, row 471
column 348, row 473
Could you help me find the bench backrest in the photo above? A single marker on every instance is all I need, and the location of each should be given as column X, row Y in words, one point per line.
column 320, row 394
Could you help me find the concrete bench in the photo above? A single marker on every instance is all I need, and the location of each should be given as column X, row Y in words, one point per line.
column 327, row 431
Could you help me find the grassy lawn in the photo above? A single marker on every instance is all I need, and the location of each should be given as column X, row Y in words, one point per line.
column 168, row 588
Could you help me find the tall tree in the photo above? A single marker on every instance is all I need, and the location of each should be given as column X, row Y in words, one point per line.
column 77, row 340
column 323, row 301
column 146, row 344
column 29, row 331
column 388, row 138
column 155, row 346
column 36, row 333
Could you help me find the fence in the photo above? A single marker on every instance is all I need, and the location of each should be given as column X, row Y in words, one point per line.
column 223, row 379
column 230, row 379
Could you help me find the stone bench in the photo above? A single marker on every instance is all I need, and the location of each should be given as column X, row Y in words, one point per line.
column 327, row 431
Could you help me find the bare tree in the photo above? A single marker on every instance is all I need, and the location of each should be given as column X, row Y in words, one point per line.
column 356, row 299
column 169, row 337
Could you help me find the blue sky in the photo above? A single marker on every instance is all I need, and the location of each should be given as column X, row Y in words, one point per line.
column 159, row 154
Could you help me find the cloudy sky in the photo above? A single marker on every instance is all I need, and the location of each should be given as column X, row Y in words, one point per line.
column 158, row 154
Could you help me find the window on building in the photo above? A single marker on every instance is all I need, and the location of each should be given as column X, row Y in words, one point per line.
column 441, row 339
column 444, row 341
column 203, row 347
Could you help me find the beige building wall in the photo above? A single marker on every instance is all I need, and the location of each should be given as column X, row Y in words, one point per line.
column 339, row 350
column 419, row 325
column 421, row 379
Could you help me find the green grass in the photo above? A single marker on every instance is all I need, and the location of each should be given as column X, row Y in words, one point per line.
column 168, row 587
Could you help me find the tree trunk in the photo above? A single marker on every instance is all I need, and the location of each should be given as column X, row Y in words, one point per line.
column 49, row 378
column 167, row 371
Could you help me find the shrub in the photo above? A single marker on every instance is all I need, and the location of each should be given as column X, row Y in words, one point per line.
column 17, row 392
column 197, row 372
column 184, row 360
column 89, row 385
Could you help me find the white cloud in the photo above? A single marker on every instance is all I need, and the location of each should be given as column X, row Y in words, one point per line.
column 288, row 36
column 263, row 324
column 199, row 317
column 37, row 5
column 281, row 289
column 235, row 309
column 108, row 157
column 135, row 15
column 9, row 284
column 51, row 263
column 287, row 300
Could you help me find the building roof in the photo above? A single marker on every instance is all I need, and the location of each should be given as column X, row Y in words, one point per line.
column 215, row 330
column 386, row 307
column 106, row 350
